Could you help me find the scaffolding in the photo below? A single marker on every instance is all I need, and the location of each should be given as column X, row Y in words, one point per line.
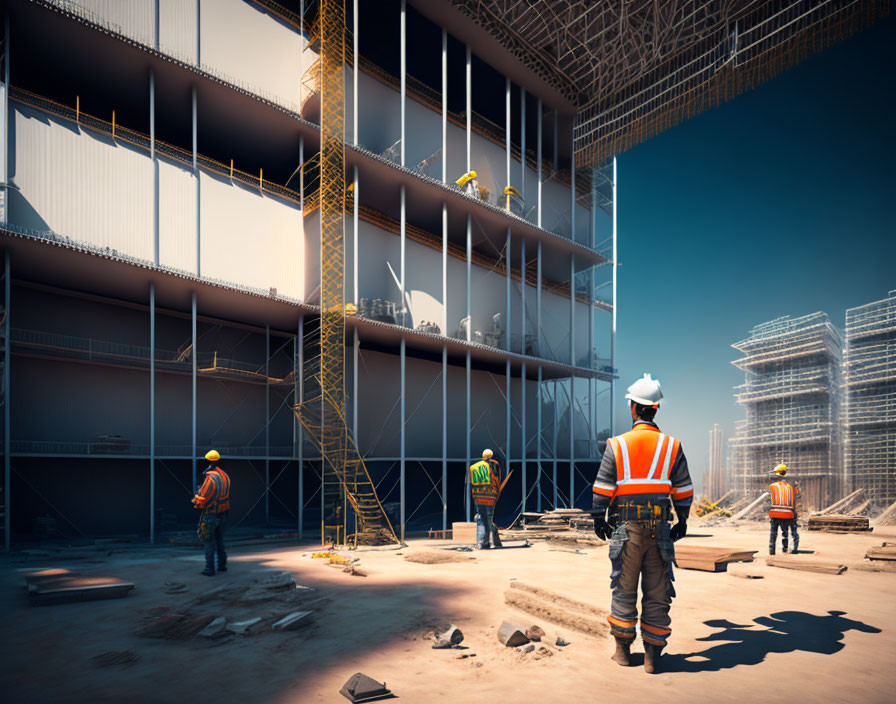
column 869, row 409
column 791, row 397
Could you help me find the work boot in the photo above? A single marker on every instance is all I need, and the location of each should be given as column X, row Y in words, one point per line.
column 623, row 653
column 222, row 568
column 771, row 551
column 652, row 658
column 208, row 572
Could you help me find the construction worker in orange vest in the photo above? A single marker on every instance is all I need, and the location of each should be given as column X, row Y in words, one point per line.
column 782, row 513
column 213, row 500
column 643, row 474
column 485, row 478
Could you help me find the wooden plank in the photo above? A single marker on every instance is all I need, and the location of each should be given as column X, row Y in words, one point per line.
column 805, row 564
column 883, row 552
column 57, row 586
column 463, row 533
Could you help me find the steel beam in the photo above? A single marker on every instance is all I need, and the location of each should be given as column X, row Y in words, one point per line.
column 267, row 424
column 196, row 176
column 444, row 269
column 195, row 486
column 152, row 413
column 300, row 397
column 403, row 438
column 7, row 397
column 155, row 161
column 403, row 77
column 615, row 306
column 469, row 104
column 523, row 142
column 507, row 416
column 445, row 111
column 444, row 438
column 467, row 429
column 507, row 139
column 523, row 297
column 355, row 56
column 523, row 437
column 403, row 223
column 554, row 444
column 540, row 121
column 538, row 398
column 507, row 325
column 469, row 278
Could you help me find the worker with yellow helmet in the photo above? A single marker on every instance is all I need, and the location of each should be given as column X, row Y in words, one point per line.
column 485, row 478
column 213, row 499
column 782, row 513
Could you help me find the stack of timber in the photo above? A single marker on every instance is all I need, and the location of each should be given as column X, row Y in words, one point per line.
column 570, row 526
column 854, row 504
column 886, row 551
column 837, row 523
column 709, row 559
column 888, row 517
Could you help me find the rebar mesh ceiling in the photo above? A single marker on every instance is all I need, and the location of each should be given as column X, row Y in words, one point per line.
column 633, row 68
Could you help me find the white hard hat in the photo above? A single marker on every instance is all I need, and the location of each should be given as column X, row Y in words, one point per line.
column 645, row 391
column 486, row 453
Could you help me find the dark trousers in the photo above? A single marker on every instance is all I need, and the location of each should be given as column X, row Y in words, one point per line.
column 785, row 524
column 213, row 539
column 485, row 527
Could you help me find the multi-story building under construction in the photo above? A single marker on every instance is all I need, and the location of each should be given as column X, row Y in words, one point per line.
column 791, row 397
column 346, row 243
column 869, row 402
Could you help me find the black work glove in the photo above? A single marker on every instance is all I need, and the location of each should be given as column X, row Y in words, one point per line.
column 602, row 529
column 679, row 530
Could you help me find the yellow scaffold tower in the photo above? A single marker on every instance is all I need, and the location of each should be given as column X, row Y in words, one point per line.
column 346, row 483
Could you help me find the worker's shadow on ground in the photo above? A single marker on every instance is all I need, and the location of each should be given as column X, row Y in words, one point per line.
column 784, row 632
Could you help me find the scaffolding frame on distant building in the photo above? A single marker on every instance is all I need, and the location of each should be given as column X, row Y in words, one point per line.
column 716, row 483
column 791, row 396
column 869, row 408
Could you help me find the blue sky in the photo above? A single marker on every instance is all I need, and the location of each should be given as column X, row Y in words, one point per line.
column 782, row 201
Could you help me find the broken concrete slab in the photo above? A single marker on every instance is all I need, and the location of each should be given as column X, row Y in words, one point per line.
column 526, row 649
column 240, row 627
column 292, row 621
column 512, row 634
column 215, row 628
column 442, row 644
column 361, row 688
column 561, row 641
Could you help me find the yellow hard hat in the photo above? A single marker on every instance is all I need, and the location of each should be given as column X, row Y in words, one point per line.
column 780, row 470
column 212, row 456
column 486, row 454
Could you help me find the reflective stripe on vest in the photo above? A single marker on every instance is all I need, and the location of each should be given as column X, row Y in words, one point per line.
column 638, row 468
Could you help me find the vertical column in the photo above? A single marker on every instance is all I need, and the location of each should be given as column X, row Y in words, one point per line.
column 152, row 413
column 403, row 230
column 155, row 34
column 469, row 277
column 507, row 140
column 572, row 191
column 467, row 494
column 508, row 415
column 356, row 233
column 194, row 486
column 572, row 441
column 355, row 58
column 554, row 443
column 469, row 104
column 444, row 269
column 523, row 141
column 267, row 424
column 7, row 444
column 198, row 32
column 300, row 397
column 507, row 325
column 444, row 437
column 572, row 310
column 403, row 438
column 613, row 329
column 538, row 399
column 445, row 112
column 152, row 156
column 196, row 176
column 523, row 436
column 4, row 147
column 540, row 121
column 538, row 300
column 403, row 74
column 523, row 297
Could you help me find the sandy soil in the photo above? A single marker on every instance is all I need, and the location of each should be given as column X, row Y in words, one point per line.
column 791, row 636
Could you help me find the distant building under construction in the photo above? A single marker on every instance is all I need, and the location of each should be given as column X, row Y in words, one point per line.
column 716, row 483
column 869, row 410
column 791, row 397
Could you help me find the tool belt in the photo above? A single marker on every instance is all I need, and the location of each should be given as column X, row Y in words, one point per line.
column 642, row 512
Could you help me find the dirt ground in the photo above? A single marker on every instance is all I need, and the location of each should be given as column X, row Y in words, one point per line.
column 792, row 636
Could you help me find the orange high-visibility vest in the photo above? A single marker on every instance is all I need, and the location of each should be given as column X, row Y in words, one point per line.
column 783, row 500
column 644, row 458
column 214, row 494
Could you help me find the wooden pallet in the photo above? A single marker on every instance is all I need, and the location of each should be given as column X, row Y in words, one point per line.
column 710, row 559
column 58, row 586
column 883, row 552
column 839, row 523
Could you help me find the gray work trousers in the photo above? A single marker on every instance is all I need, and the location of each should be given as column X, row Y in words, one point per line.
column 641, row 551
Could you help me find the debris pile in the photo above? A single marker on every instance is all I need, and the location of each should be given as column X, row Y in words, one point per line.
column 888, row 517
column 564, row 526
